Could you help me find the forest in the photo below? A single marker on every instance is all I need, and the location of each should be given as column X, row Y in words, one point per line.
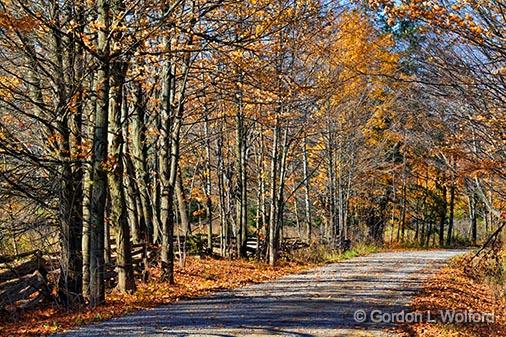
column 134, row 133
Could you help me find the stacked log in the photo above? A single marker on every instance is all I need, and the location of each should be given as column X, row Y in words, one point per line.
column 23, row 281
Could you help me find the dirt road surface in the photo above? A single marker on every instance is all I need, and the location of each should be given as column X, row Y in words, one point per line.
column 353, row 298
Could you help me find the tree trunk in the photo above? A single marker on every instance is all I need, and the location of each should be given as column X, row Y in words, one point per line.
column 118, row 211
column 221, row 191
column 272, row 244
column 172, row 120
column 449, row 236
column 99, row 190
column 442, row 216
column 404, row 196
column 473, row 216
column 307, row 202
column 87, row 189
column 241, row 188
column 332, row 229
column 139, row 151
column 167, row 184
column 181, row 203
column 208, row 187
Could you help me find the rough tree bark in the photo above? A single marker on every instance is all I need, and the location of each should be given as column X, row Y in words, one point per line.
column 99, row 189
column 208, row 186
column 118, row 212
column 307, row 201
column 182, row 207
column 140, row 154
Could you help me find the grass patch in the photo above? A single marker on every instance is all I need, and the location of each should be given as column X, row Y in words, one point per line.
column 319, row 254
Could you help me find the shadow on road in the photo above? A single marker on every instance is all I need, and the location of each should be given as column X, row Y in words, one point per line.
column 319, row 302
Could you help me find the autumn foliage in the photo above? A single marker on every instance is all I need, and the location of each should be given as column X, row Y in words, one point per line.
column 199, row 277
column 237, row 128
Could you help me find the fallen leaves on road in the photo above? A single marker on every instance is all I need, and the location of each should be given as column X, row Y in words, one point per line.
column 199, row 277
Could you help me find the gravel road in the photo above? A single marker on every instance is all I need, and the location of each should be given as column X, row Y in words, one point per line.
column 317, row 302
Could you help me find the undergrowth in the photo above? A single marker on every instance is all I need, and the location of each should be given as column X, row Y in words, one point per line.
column 319, row 254
column 468, row 283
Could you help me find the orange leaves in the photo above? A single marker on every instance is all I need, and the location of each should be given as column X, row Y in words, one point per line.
column 199, row 277
column 359, row 51
column 23, row 24
column 454, row 289
column 460, row 17
column 82, row 151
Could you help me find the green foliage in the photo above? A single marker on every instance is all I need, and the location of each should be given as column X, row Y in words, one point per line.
column 196, row 244
column 320, row 254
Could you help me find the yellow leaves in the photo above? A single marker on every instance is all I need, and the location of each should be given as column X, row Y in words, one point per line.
column 361, row 49
column 477, row 30
column 359, row 60
column 459, row 17
column 199, row 212
column 8, row 84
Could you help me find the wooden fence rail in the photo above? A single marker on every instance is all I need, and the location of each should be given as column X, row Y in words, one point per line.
column 27, row 279
column 23, row 280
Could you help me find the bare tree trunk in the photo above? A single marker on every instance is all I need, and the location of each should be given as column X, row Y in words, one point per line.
column 70, row 281
column 156, row 201
column 118, row 211
column 473, row 216
column 449, row 236
column 181, row 203
column 107, row 232
column 429, row 232
column 86, row 240
column 99, row 190
column 132, row 194
column 260, row 216
column 208, row 187
column 442, row 215
column 404, row 195
column 272, row 244
column 307, row 201
column 241, row 188
column 167, row 184
column 296, row 215
column 172, row 120
column 139, row 151
column 332, row 229
column 221, row 192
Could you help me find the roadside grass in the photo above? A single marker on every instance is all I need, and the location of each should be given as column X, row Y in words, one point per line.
column 200, row 276
column 320, row 255
column 464, row 286
column 358, row 250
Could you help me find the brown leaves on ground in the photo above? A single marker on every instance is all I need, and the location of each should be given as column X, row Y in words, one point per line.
column 199, row 277
column 454, row 289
